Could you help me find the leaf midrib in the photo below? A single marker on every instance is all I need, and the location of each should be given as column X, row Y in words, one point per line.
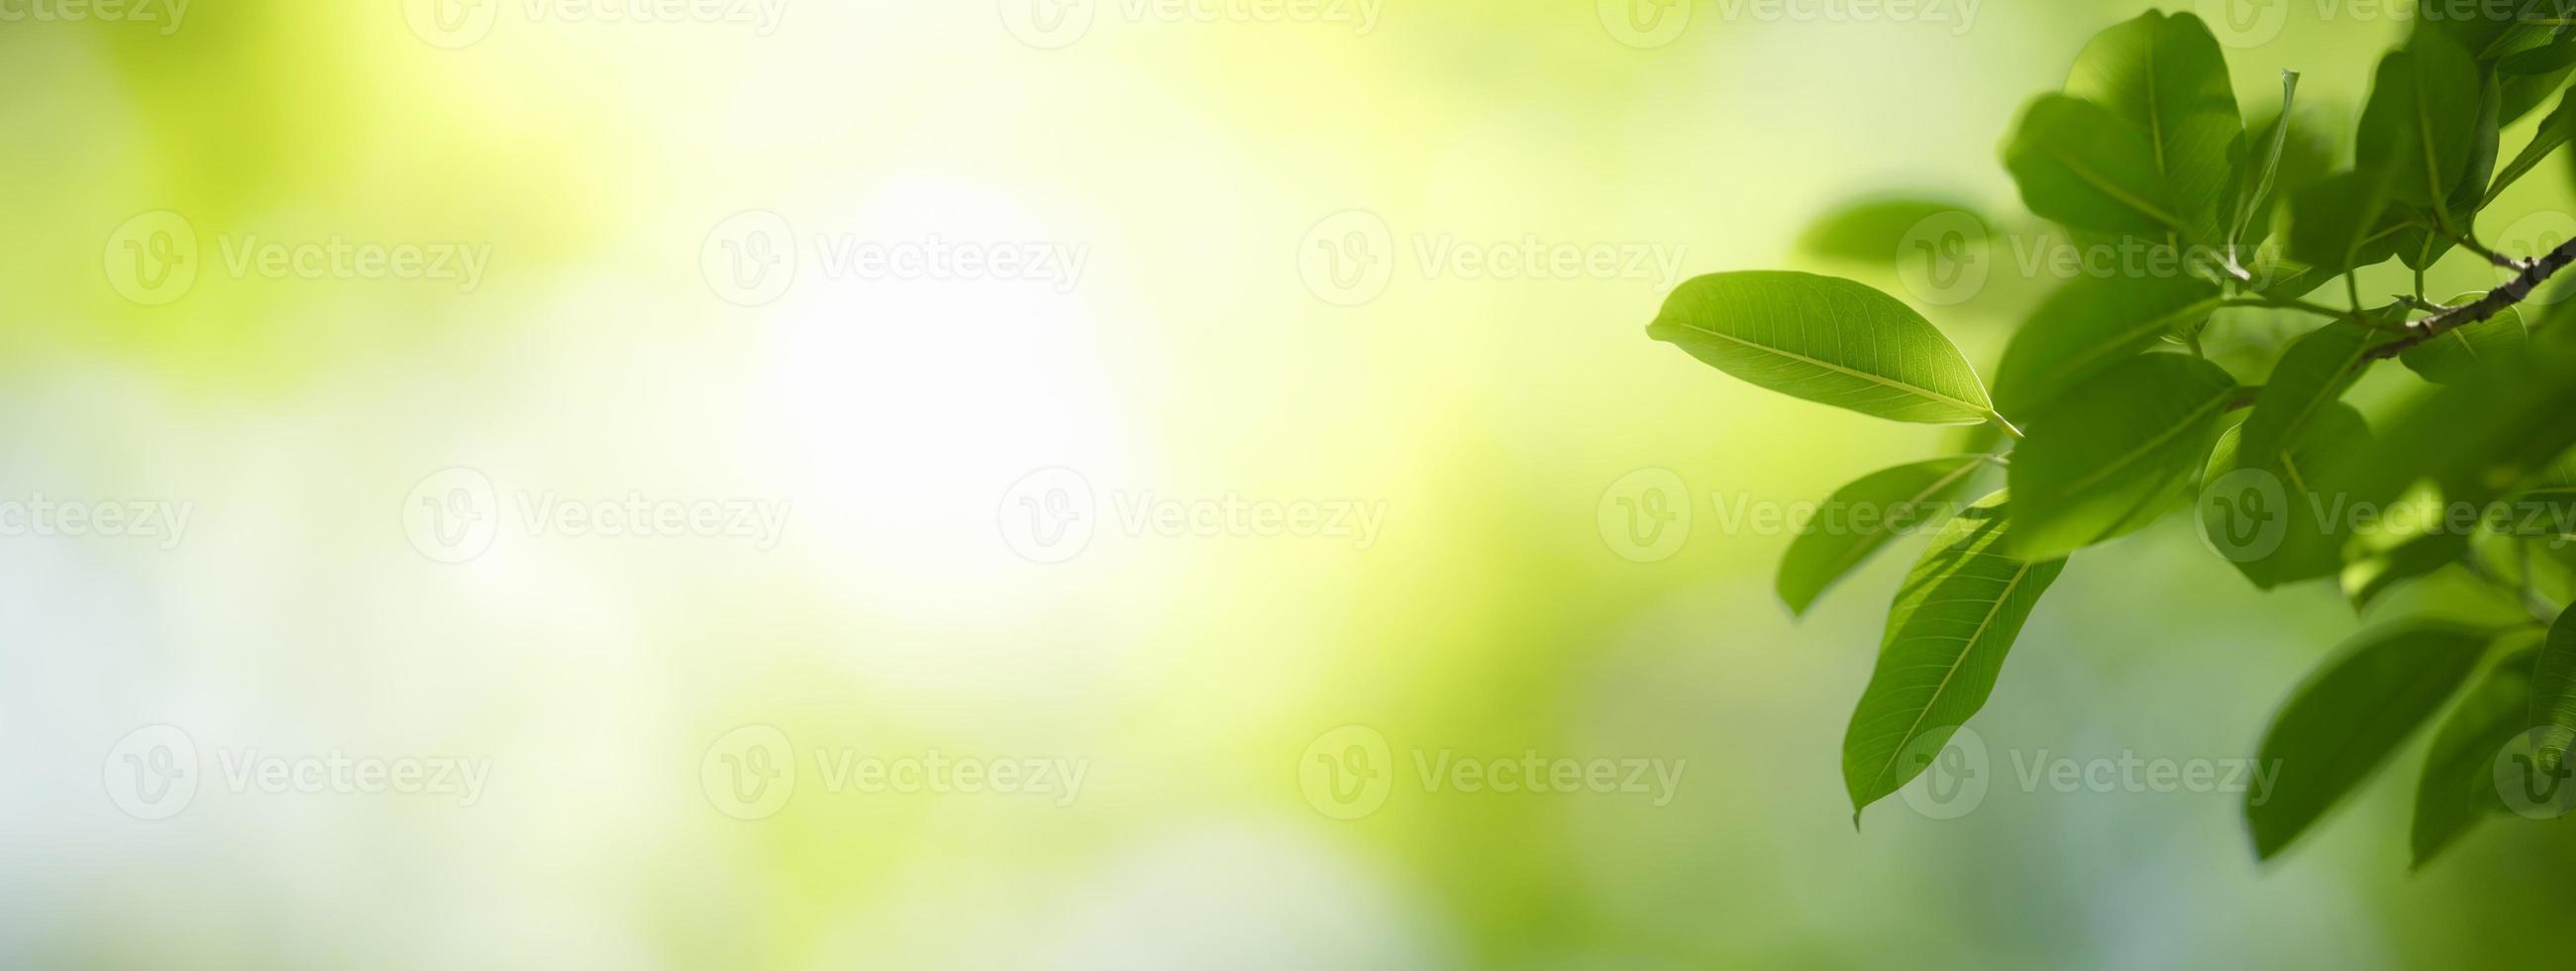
column 2151, row 445
column 1974, row 637
column 1831, row 366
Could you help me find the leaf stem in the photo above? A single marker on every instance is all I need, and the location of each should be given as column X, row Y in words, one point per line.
column 2004, row 423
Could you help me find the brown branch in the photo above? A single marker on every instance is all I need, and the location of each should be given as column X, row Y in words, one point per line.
column 2532, row 274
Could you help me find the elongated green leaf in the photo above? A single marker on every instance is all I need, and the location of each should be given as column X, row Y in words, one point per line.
column 2349, row 716
column 2477, row 440
column 2470, row 353
column 2110, row 460
column 2267, row 166
column 2457, row 789
column 2422, row 119
column 2553, row 693
column 1861, row 517
column 2484, row 137
column 2084, row 167
column 2269, row 515
column 2554, row 131
column 2166, row 76
column 1827, row 340
column 2089, row 324
column 1953, row 622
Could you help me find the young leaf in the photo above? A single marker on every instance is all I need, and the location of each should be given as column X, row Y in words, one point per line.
column 2553, row 692
column 2084, row 167
column 2110, row 460
column 2267, row 170
column 2422, row 118
column 2089, row 324
column 2554, row 131
column 2469, row 353
column 2349, row 716
column 2457, row 788
column 1827, row 340
column 1867, row 515
column 2166, row 76
column 1952, row 623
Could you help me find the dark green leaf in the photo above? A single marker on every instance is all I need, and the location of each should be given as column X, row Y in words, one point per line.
column 2349, row 716
column 2457, row 789
column 2268, row 514
column 2554, row 131
column 1861, row 517
column 2337, row 222
column 2311, row 376
column 1947, row 635
column 2553, row 693
column 2422, row 119
column 2110, row 460
column 1827, row 340
column 2469, row 353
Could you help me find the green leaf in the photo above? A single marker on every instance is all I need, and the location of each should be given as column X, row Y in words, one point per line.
column 2166, row 76
column 1861, row 517
column 2554, row 131
column 2472, row 352
column 2477, row 440
column 1827, row 340
column 1947, row 635
column 2274, row 144
column 2312, row 375
column 2553, row 693
column 2110, row 460
column 2349, row 716
column 2089, row 324
column 2422, row 119
column 2457, row 789
column 2280, row 524
column 1873, row 230
column 2084, row 167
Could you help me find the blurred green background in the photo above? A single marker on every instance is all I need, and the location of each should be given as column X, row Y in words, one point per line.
column 1229, row 337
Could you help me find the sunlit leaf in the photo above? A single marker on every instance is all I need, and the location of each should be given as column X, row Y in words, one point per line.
column 2084, row 167
column 1827, row 340
column 1860, row 518
column 2089, row 324
column 2166, row 76
column 1952, row 623
column 2110, row 460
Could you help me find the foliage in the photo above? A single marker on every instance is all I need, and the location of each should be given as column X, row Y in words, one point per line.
column 2114, row 416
